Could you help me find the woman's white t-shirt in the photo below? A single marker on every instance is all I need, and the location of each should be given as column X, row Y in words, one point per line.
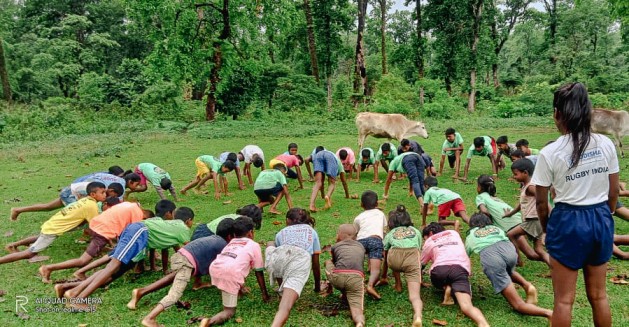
column 585, row 184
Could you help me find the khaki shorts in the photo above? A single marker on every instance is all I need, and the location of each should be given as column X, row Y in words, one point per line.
column 42, row 243
column 350, row 282
column 183, row 268
column 202, row 168
column 533, row 228
column 229, row 300
column 406, row 261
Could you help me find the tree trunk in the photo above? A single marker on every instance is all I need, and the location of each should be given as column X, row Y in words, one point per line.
column 4, row 76
column 360, row 76
column 419, row 60
column 217, row 59
column 551, row 9
column 329, row 87
column 477, row 9
column 312, row 45
column 494, row 70
column 383, row 35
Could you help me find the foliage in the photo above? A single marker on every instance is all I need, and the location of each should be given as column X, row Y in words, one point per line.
column 296, row 92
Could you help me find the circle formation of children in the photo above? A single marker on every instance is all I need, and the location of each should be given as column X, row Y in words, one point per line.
column 566, row 214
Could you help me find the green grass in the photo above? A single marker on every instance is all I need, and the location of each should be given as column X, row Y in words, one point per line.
column 34, row 172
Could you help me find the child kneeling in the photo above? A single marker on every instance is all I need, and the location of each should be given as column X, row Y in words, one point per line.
column 345, row 271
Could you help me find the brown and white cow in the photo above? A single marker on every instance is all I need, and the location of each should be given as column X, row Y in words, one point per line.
column 611, row 122
column 391, row 126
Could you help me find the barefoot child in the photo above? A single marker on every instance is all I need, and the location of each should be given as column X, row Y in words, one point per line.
column 165, row 234
column 288, row 260
column 103, row 229
column 402, row 246
column 489, row 204
column 193, row 259
column 580, row 229
column 164, row 209
column 158, row 177
column 230, row 268
column 411, row 164
column 251, row 210
column 530, row 227
column 367, row 159
column 450, row 269
column 348, row 160
column 326, row 163
column 345, row 271
column 498, row 257
column 231, row 156
column 446, row 202
column 453, row 148
column 209, row 167
column 370, row 225
column 484, row 146
column 386, row 153
column 523, row 145
column 251, row 154
column 271, row 187
column 63, row 221
column 504, row 148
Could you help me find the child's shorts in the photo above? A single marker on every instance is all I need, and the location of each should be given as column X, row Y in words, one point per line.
column 201, row 231
column 183, row 268
column 264, row 195
column 66, row 196
column 454, row 275
column 532, row 227
column 141, row 174
column 373, row 247
column 202, row 168
column 498, row 261
column 290, row 263
column 451, row 160
column 455, row 206
column 406, row 260
column 229, row 300
column 133, row 241
column 580, row 235
column 326, row 162
column 42, row 243
column 351, row 282
column 97, row 243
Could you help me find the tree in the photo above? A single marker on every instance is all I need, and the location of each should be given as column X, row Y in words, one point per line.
column 360, row 72
column 420, row 48
column 312, row 44
column 4, row 76
column 476, row 8
column 551, row 9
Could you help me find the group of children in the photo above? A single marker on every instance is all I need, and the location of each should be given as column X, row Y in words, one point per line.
column 225, row 250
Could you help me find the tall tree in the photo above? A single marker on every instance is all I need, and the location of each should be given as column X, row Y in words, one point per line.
column 384, row 8
column 420, row 48
column 476, row 9
column 217, row 59
column 360, row 70
column 553, row 20
column 4, row 76
column 312, row 44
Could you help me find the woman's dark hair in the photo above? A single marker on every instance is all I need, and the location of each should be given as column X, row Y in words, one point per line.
column 574, row 113
column 298, row 216
column 487, row 184
column 480, row 220
column 523, row 164
column 253, row 212
column 399, row 217
column 433, row 227
column 116, row 170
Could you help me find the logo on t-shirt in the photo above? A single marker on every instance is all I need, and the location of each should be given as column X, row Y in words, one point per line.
column 404, row 233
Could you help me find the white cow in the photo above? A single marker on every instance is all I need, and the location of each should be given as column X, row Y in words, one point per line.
column 611, row 122
column 391, row 126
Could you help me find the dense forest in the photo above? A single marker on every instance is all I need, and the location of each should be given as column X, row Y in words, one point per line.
column 231, row 58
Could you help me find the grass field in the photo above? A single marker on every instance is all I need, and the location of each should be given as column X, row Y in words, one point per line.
column 35, row 172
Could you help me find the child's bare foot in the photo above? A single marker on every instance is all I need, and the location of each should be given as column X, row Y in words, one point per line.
column 531, row 294
column 59, row 290
column 417, row 322
column 10, row 248
column 205, row 322
column 457, row 225
column 312, row 209
column 274, row 211
column 80, row 275
column 182, row 193
column 150, row 322
column 133, row 304
column 14, row 213
column 199, row 286
column 397, row 287
column 447, row 296
column 382, row 282
column 244, row 290
column 372, row 292
column 45, row 274
column 328, row 203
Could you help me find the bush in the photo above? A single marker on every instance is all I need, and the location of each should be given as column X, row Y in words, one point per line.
column 297, row 92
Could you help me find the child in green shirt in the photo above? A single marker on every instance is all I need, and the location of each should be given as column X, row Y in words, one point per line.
column 446, row 202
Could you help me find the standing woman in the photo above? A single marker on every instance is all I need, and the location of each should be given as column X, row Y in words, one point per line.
column 583, row 169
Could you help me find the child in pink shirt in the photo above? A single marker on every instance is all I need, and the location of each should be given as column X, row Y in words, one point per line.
column 231, row 267
column 348, row 159
column 450, row 268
